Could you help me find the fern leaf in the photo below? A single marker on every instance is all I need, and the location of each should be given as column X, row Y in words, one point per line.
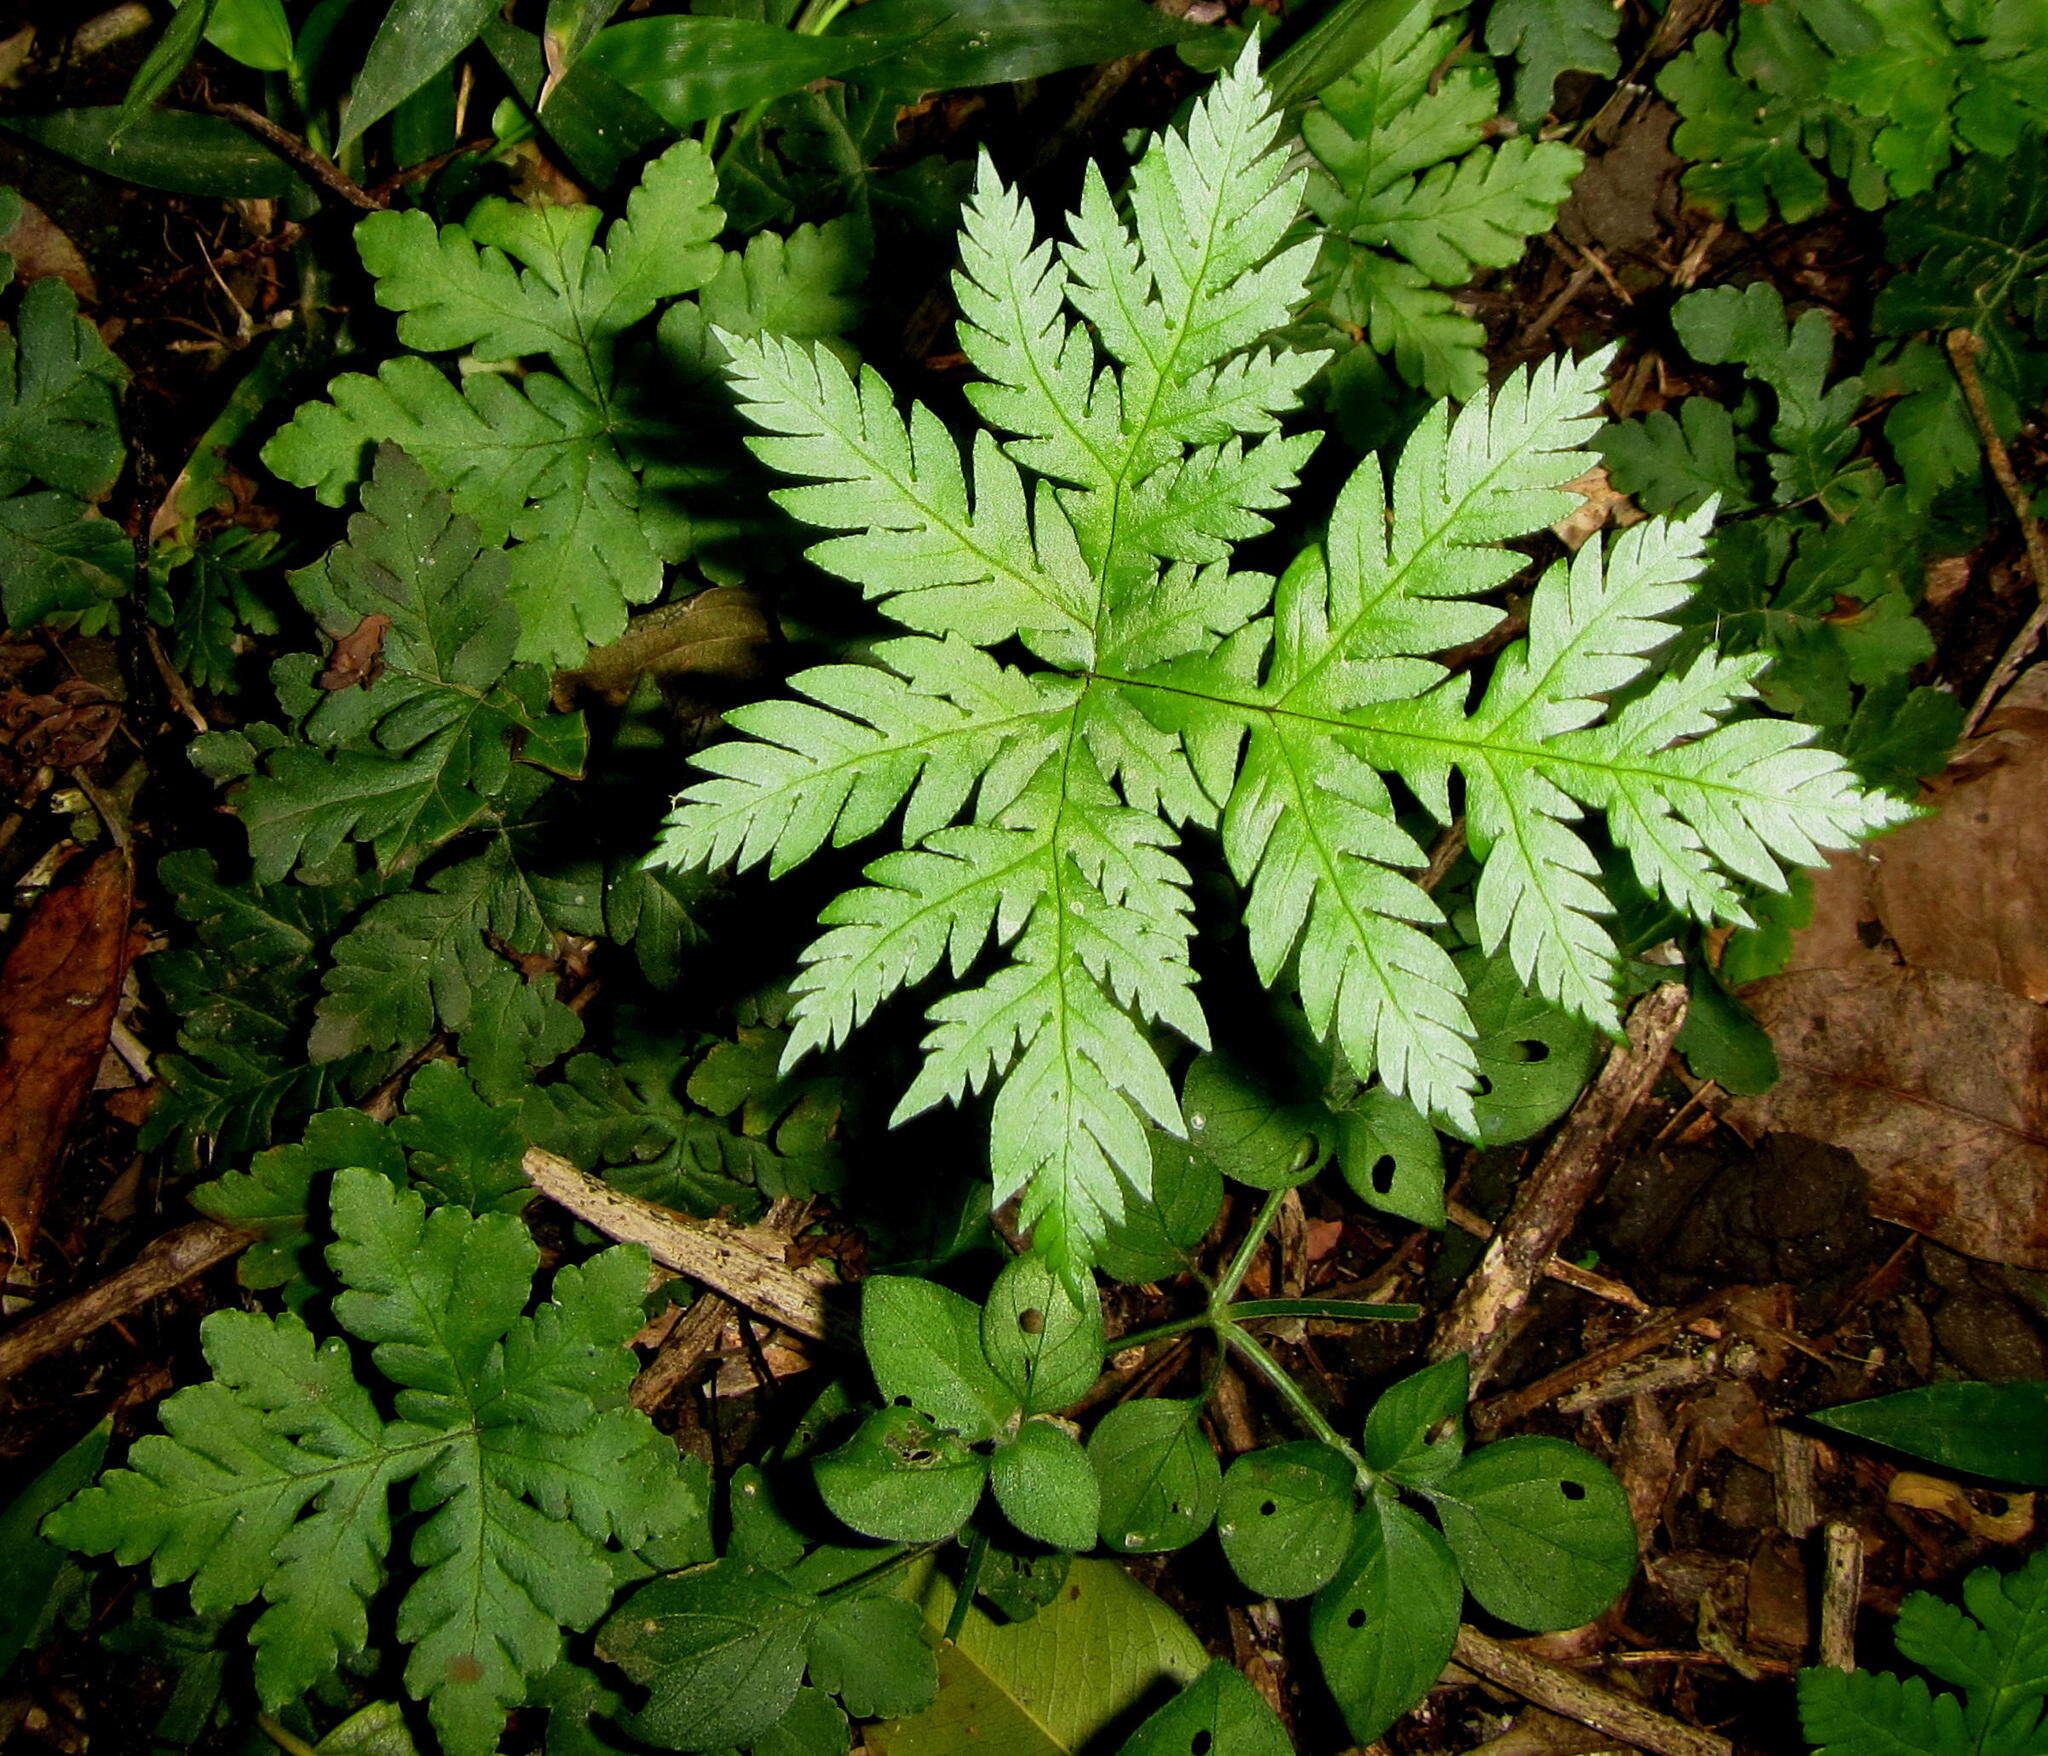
column 272, row 1479
column 1405, row 168
column 1039, row 803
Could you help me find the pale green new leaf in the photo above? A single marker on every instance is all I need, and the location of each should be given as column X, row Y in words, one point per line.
column 1040, row 800
column 528, row 1470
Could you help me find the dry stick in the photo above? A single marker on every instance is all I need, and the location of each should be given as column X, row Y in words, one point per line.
column 1569, row 1273
column 1963, row 348
column 1841, row 1596
column 723, row 1257
column 1589, row 1704
column 169, row 1262
column 285, row 144
column 682, row 1351
column 1556, row 1192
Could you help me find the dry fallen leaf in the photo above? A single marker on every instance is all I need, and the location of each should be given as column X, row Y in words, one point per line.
column 1939, row 1086
column 1966, row 890
column 358, row 655
column 41, row 250
column 59, row 989
column 722, row 631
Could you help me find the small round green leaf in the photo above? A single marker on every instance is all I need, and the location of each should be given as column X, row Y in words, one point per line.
column 924, row 1346
column 1416, row 1431
column 719, row 1648
column 1533, row 1058
column 1285, row 1517
column 1541, row 1529
column 1391, row 1156
column 1046, row 1486
column 1160, row 1480
column 1385, row 1626
column 1160, row 1231
column 1046, row 1349
column 1218, row 1713
column 901, row 1478
column 1248, row 1130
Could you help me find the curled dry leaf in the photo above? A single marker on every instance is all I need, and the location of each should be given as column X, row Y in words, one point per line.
column 1937, row 1083
column 59, row 989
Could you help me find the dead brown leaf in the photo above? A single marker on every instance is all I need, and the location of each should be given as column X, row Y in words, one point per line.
column 1966, row 890
column 722, row 632
column 1939, row 1086
column 358, row 656
column 59, row 989
column 42, row 251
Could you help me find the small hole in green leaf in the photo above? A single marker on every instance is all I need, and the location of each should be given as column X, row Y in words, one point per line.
column 901, row 1402
column 1383, row 1174
column 1267, row 1508
column 1355, row 1620
column 1484, row 1087
column 1572, row 1490
column 1201, row 1744
column 1531, row 1049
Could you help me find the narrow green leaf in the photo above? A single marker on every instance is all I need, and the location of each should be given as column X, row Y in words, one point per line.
column 253, row 32
column 29, row 1563
column 690, row 69
column 1285, row 1517
column 166, row 58
column 1999, row 1431
column 416, row 40
column 1347, row 32
column 955, row 43
column 178, row 150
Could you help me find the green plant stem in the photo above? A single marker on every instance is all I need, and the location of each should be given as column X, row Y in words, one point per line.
column 970, row 1583
column 1296, row 1398
column 1241, row 1263
column 287, row 1741
column 1164, row 1331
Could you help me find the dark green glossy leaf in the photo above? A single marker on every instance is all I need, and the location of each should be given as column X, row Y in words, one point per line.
column 1160, row 1479
column 29, row 1565
column 1219, row 1712
column 1721, row 1039
column 1542, row 1531
column 178, row 150
column 689, row 69
column 1161, row 1230
column 166, row 58
column 1331, row 47
column 416, row 40
column 1416, row 1431
column 1534, row 1059
column 1385, row 1626
column 1995, row 1430
column 1285, row 1517
column 955, row 43
column 1391, row 1156
column 1251, row 1131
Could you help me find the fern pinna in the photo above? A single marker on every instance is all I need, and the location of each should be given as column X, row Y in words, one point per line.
column 1160, row 690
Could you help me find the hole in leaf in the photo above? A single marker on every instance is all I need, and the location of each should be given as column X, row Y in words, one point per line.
column 1355, row 1620
column 1201, row 1744
column 1532, row 1049
column 1382, row 1174
column 983, row 1448
column 1572, row 1490
column 1032, row 1322
column 1483, row 1087
column 1267, row 1508
column 902, row 1402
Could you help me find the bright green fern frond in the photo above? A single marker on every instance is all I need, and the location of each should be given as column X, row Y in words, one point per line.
column 1039, row 803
